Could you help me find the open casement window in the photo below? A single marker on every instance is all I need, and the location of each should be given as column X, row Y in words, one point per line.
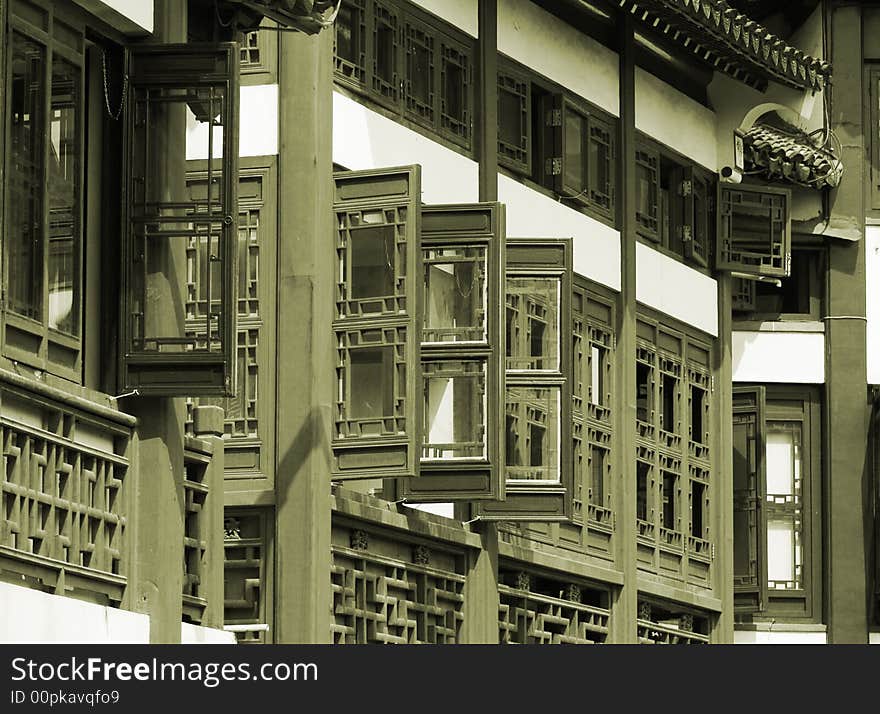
column 691, row 214
column 749, row 484
column 648, row 193
column 580, row 154
column 537, row 411
column 754, row 230
column 377, row 324
column 179, row 250
column 45, row 157
column 462, row 365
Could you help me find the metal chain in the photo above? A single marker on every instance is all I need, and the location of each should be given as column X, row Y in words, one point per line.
column 113, row 115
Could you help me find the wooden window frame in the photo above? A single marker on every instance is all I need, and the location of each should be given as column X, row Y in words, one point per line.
column 542, row 501
column 473, row 479
column 446, row 45
column 389, row 323
column 29, row 340
column 204, row 364
column 774, row 260
column 784, row 404
column 265, row 69
column 516, row 157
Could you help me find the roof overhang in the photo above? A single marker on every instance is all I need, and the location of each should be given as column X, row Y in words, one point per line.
column 308, row 16
column 730, row 42
column 791, row 155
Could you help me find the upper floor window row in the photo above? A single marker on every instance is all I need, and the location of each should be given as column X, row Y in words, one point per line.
column 410, row 63
column 557, row 140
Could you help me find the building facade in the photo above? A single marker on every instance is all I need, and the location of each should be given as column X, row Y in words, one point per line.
column 439, row 321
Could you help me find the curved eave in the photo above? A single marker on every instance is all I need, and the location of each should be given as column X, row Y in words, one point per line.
column 730, row 42
column 290, row 13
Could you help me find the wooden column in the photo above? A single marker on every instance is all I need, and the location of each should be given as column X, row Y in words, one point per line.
column 481, row 588
column 847, row 478
column 304, row 343
column 721, row 493
column 624, row 607
column 158, row 505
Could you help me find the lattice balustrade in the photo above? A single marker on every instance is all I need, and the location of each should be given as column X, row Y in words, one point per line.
column 63, row 494
column 526, row 617
column 670, row 625
column 377, row 599
column 247, row 583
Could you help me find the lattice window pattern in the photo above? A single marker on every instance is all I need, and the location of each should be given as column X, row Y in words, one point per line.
column 195, row 490
column 349, row 53
column 647, row 192
column 514, row 101
column 250, row 52
column 420, row 90
column 386, row 45
column 381, row 600
column 455, row 91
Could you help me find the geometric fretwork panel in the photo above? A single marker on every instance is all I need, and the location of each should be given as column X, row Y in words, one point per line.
column 62, row 499
column 245, row 574
column 195, row 491
column 539, row 611
column 381, row 600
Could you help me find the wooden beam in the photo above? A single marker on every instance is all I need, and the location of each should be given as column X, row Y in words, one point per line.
column 487, row 99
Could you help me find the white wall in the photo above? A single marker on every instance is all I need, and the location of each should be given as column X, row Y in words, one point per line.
column 753, row 637
column 872, row 301
column 531, row 214
column 196, row 635
column 460, row 13
column 792, row 357
column 130, row 16
column 364, row 139
column 31, row 616
column 676, row 120
column 555, row 49
column 675, row 289
column 258, row 125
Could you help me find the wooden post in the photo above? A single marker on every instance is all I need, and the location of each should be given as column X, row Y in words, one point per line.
column 305, row 347
column 624, row 607
column 159, row 503
column 848, row 506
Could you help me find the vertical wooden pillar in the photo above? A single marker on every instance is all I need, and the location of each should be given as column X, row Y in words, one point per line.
column 208, row 425
column 624, row 607
column 159, row 501
column 481, row 588
column 721, row 495
column 304, row 343
column 847, row 493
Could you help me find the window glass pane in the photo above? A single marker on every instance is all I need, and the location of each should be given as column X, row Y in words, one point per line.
column 455, row 290
column 780, row 551
column 781, row 463
column 347, row 26
column 575, row 155
column 64, row 189
column 453, row 90
column 532, row 324
column 509, row 117
column 26, row 178
column 670, row 498
column 455, row 410
column 372, row 267
column 420, row 70
column 371, row 389
column 532, row 434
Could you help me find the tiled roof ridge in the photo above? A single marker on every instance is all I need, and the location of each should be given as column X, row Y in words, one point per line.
column 792, row 155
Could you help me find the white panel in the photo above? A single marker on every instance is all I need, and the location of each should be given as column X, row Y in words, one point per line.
column 438, row 509
column 555, row 49
column 461, row 13
column 676, row 290
column 258, row 125
column 675, row 119
column 130, row 16
column 364, row 139
column 531, row 214
column 31, row 616
column 780, row 463
column 752, row 637
column 780, row 550
column 196, row 635
column 788, row 357
column 872, row 300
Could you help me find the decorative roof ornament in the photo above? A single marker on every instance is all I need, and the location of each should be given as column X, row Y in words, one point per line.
column 731, row 42
column 308, row 16
column 791, row 155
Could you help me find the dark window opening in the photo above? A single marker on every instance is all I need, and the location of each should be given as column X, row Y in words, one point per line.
column 697, row 402
column 597, row 476
column 642, row 470
column 669, row 394
column 698, row 494
column 372, row 272
column 643, row 391
column 670, row 515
